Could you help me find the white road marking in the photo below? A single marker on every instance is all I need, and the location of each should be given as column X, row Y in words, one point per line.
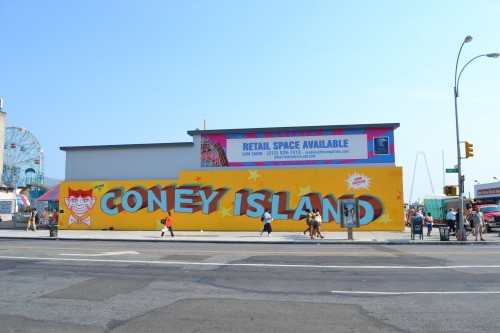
column 411, row 292
column 159, row 262
column 114, row 253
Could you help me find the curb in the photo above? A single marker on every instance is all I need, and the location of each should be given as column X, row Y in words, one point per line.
column 288, row 242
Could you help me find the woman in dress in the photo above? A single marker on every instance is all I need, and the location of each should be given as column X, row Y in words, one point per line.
column 32, row 219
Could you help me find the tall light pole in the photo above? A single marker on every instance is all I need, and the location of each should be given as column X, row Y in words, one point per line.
column 461, row 231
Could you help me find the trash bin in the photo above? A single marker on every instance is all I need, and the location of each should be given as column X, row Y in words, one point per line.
column 53, row 230
column 444, row 233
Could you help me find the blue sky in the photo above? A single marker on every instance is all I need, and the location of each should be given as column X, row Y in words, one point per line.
column 79, row 73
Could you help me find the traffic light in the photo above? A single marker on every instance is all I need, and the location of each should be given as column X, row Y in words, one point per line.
column 469, row 149
column 450, row 190
column 447, row 190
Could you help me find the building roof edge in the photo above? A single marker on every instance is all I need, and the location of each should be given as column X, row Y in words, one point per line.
column 293, row 128
column 128, row 146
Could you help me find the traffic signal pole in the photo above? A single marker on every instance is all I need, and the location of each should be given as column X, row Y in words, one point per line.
column 461, row 232
column 461, row 236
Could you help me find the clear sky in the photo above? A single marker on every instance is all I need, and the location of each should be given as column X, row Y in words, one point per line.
column 94, row 72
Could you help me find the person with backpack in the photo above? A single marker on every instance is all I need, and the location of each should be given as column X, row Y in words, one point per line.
column 33, row 219
column 267, row 219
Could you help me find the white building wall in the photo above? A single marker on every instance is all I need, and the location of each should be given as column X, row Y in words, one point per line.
column 143, row 162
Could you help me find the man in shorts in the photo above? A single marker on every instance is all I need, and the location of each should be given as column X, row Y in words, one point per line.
column 45, row 218
column 478, row 219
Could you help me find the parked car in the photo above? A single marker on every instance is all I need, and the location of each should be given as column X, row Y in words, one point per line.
column 491, row 214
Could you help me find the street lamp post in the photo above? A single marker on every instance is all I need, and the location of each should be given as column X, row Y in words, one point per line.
column 461, row 231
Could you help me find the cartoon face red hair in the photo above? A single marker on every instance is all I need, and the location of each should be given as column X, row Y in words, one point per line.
column 79, row 202
column 79, row 193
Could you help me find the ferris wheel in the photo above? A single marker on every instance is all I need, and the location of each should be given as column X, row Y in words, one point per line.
column 22, row 158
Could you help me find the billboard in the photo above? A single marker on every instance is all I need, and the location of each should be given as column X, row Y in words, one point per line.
column 341, row 146
column 236, row 199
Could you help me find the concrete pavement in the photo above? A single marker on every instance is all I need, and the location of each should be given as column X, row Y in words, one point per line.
column 283, row 237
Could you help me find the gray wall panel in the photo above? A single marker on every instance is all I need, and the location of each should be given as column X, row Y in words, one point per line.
column 130, row 164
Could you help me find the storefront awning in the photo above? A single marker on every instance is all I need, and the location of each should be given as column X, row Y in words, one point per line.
column 52, row 195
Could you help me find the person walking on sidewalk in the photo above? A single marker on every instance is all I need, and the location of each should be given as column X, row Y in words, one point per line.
column 429, row 221
column 309, row 221
column 32, row 219
column 45, row 218
column 478, row 222
column 54, row 217
column 168, row 225
column 267, row 219
column 317, row 220
column 470, row 220
column 450, row 219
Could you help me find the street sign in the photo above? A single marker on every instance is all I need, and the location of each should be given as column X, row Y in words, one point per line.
column 451, row 170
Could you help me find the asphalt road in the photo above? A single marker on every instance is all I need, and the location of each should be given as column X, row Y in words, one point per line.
column 72, row 286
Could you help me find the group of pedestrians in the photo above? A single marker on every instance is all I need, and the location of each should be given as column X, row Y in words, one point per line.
column 418, row 215
column 477, row 221
column 314, row 221
column 34, row 219
column 474, row 217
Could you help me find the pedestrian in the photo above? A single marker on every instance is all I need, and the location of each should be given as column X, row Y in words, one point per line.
column 45, row 218
column 267, row 219
column 450, row 220
column 478, row 222
column 309, row 218
column 429, row 220
column 470, row 220
column 54, row 217
column 168, row 225
column 32, row 219
column 317, row 220
column 409, row 216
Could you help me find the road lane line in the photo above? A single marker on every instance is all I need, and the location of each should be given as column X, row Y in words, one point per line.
column 352, row 292
column 177, row 263
column 257, row 252
column 114, row 253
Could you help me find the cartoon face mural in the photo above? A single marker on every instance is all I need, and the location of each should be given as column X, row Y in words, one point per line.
column 79, row 203
column 236, row 199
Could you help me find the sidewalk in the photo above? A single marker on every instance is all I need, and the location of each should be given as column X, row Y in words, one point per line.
column 280, row 237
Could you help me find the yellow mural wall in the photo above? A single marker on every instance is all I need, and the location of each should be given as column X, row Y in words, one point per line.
column 235, row 200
